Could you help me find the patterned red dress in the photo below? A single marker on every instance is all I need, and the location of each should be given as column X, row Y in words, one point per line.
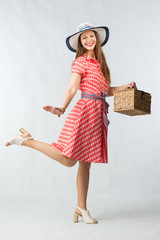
column 84, row 136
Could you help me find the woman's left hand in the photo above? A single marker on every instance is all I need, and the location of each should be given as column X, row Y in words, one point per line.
column 131, row 85
column 54, row 110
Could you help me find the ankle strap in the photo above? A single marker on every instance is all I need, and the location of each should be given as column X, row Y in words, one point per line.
column 81, row 209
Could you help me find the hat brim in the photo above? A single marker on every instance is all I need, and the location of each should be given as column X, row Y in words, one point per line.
column 72, row 41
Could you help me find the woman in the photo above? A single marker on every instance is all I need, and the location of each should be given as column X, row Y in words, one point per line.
column 84, row 135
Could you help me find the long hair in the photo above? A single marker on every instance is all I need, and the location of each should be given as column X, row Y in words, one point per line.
column 99, row 55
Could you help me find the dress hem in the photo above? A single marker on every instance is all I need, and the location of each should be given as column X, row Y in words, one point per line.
column 54, row 145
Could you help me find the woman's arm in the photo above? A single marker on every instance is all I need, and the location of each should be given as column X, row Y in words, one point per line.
column 68, row 96
column 123, row 87
column 71, row 90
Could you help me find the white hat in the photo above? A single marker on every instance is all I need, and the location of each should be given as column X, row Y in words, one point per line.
column 72, row 41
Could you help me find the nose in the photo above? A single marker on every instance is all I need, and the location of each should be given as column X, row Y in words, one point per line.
column 89, row 40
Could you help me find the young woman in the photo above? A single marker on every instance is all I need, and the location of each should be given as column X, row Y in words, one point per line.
column 83, row 137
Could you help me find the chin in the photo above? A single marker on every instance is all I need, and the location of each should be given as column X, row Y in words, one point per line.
column 90, row 49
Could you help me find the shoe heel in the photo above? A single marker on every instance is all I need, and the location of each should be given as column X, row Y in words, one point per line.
column 75, row 218
column 22, row 130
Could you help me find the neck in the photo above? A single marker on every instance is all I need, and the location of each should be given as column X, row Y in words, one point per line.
column 91, row 54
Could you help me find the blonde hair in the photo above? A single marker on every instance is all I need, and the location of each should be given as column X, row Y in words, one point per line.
column 99, row 55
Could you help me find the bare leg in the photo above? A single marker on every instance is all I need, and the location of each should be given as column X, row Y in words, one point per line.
column 49, row 150
column 82, row 184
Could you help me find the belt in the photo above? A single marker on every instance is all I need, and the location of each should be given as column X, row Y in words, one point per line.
column 105, row 104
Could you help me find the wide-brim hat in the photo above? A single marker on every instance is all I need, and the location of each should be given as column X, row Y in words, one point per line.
column 72, row 41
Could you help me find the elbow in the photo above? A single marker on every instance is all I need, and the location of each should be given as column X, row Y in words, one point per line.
column 110, row 92
column 73, row 90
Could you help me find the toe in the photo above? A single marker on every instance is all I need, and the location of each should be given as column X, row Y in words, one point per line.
column 7, row 144
column 95, row 221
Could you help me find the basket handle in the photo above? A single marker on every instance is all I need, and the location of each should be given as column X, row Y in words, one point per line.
column 142, row 95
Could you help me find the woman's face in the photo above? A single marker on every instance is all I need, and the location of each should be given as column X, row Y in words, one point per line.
column 88, row 40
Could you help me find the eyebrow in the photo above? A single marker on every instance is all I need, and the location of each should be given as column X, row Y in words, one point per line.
column 90, row 34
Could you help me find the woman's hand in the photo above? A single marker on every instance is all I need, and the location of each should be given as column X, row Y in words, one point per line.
column 120, row 88
column 131, row 85
column 54, row 110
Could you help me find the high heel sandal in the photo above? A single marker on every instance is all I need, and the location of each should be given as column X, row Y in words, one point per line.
column 85, row 216
column 18, row 139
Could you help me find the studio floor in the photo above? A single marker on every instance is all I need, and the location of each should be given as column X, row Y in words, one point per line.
column 120, row 218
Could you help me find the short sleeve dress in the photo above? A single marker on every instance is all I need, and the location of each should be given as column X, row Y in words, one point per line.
column 84, row 136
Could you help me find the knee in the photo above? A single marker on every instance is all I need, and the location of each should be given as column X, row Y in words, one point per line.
column 85, row 165
column 70, row 162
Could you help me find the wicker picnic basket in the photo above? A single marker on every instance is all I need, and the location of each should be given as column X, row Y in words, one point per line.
column 132, row 102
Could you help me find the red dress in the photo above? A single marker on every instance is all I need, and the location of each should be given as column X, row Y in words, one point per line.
column 84, row 135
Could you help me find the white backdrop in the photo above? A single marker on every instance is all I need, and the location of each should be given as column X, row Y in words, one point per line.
column 35, row 67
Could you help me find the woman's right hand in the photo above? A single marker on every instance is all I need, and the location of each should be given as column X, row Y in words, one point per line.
column 54, row 110
column 131, row 85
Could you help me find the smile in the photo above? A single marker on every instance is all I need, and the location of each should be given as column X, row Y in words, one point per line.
column 90, row 44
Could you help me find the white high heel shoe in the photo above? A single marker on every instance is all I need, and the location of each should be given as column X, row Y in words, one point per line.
column 85, row 216
column 17, row 139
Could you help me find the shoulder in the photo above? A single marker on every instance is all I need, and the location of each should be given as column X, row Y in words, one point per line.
column 79, row 65
column 80, row 60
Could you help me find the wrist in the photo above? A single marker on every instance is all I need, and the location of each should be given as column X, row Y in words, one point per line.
column 64, row 109
column 125, row 87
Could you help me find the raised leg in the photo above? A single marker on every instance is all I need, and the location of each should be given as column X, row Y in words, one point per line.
column 50, row 151
column 47, row 149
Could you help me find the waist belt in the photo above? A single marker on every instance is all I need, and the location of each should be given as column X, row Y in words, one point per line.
column 105, row 104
